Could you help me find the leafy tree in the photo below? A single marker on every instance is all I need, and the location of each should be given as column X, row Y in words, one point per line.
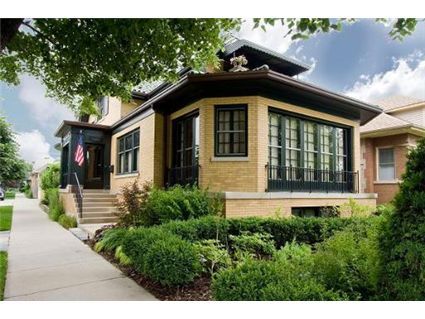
column 403, row 239
column 12, row 167
column 79, row 60
column 50, row 177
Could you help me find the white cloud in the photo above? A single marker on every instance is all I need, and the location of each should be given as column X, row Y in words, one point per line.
column 34, row 148
column 407, row 77
column 44, row 110
column 273, row 38
column 312, row 62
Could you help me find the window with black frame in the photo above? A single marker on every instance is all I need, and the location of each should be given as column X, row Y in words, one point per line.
column 231, row 130
column 128, row 153
column 306, row 150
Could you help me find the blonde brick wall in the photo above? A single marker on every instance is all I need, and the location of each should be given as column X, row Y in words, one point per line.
column 247, row 174
column 149, row 161
column 68, row 202
column 281, row 207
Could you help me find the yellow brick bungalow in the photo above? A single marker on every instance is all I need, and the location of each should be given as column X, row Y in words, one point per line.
column 267, row 141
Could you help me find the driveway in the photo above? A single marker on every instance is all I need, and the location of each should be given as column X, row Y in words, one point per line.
column 46, row 262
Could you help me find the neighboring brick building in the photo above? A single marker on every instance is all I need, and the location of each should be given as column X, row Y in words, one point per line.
column 269, row 142
column 385, row 142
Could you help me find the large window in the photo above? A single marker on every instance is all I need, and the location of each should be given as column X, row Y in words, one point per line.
column 128, row 153
column 300, row 143
column 231, row 130
column 386, row 164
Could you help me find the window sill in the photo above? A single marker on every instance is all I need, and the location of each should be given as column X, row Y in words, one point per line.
column 230, row 159
column 387, row 182
column 126, row 175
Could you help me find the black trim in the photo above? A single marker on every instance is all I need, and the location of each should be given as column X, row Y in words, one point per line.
column 230, row 107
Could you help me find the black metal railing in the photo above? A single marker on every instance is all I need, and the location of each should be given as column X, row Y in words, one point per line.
column 185, row 175
column 298, row 179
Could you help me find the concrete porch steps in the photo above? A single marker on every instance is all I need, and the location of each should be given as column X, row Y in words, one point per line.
column 98, row 207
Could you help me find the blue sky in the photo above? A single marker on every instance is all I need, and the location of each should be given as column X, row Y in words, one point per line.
column 360, row 61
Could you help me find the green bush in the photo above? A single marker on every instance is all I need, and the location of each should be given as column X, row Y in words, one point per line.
column 256, row 245
column 162, row 256
column 10, row 195
column 288, row 277
column 56, row 208
column 50, row 178
column 147, row 206
column 282, row 230
column 179, row 203
column 172, row 261
column 403, row 240
column 349, row 261
column 67, row 221
column 28, row 191
column 111, row 239
column 213, row 255
column 137, row 242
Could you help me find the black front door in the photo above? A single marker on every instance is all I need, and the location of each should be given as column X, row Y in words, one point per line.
column 94, row 166
column 185, row 150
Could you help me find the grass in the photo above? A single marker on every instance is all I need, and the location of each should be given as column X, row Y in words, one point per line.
column 5, row 217
column 9, row 195
column 3, row 269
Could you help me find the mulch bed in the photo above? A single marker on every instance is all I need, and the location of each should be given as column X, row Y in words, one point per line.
column 199, row 290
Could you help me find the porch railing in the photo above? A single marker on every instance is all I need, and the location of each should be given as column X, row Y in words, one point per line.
column 185, row 175
column 298, row 179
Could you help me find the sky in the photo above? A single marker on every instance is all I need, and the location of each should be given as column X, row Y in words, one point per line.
column 361, row 61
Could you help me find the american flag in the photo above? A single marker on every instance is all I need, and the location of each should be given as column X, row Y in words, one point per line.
column 79, row 152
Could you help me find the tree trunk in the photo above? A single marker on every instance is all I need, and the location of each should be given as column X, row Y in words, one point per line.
column 8, row 29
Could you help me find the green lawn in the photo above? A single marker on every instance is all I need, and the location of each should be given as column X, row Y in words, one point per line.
column 9, row 195
column 3, row 269
column 5, row 217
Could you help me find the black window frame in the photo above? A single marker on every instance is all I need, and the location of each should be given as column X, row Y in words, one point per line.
column 348, row 135
column 230, row 107
column 130, row 150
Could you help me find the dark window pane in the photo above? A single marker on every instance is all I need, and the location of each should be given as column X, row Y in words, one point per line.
column 231, row 130
column 136, row 139
column 135, row 165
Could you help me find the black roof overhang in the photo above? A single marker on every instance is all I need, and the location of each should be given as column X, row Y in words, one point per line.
column 267, row 84
column 66, row 126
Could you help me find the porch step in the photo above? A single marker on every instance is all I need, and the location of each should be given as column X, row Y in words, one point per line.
column 96, row 191
column 103, row 209
column 97, row 220
column 98, row 214
column 98, row 204
column 111, row 200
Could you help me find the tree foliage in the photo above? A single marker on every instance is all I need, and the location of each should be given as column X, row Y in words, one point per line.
column 403, row 241
column 88, row 58
column 79, row 60
column 12, row 167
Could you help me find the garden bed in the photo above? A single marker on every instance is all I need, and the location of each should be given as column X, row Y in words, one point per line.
column 199, row 290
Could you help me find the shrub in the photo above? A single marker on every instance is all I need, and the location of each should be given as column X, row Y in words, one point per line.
column 282, row 230
column 132, row 202
column 111, row 239
column 28, row 192
column 288, row 277
column 256, row 244
column 213, row 255
column 55, row 205
column 403, row 240
column 354, row 209
column 179, row 203
column 349, row 261
column 147, row 206
column 122, row 258
column 385, row 209
column 50, row 178
column 67, row 221
column 172, row 261
column 137, row 242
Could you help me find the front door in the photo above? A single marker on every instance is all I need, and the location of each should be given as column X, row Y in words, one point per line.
column 185, row 150
column 94, row 166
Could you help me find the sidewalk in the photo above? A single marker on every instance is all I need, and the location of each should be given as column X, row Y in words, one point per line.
column 46, row 262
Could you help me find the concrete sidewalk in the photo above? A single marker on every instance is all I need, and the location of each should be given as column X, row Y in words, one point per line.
column 46, row 262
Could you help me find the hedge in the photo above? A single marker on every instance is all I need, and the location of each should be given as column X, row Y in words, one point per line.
column 303, row 230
